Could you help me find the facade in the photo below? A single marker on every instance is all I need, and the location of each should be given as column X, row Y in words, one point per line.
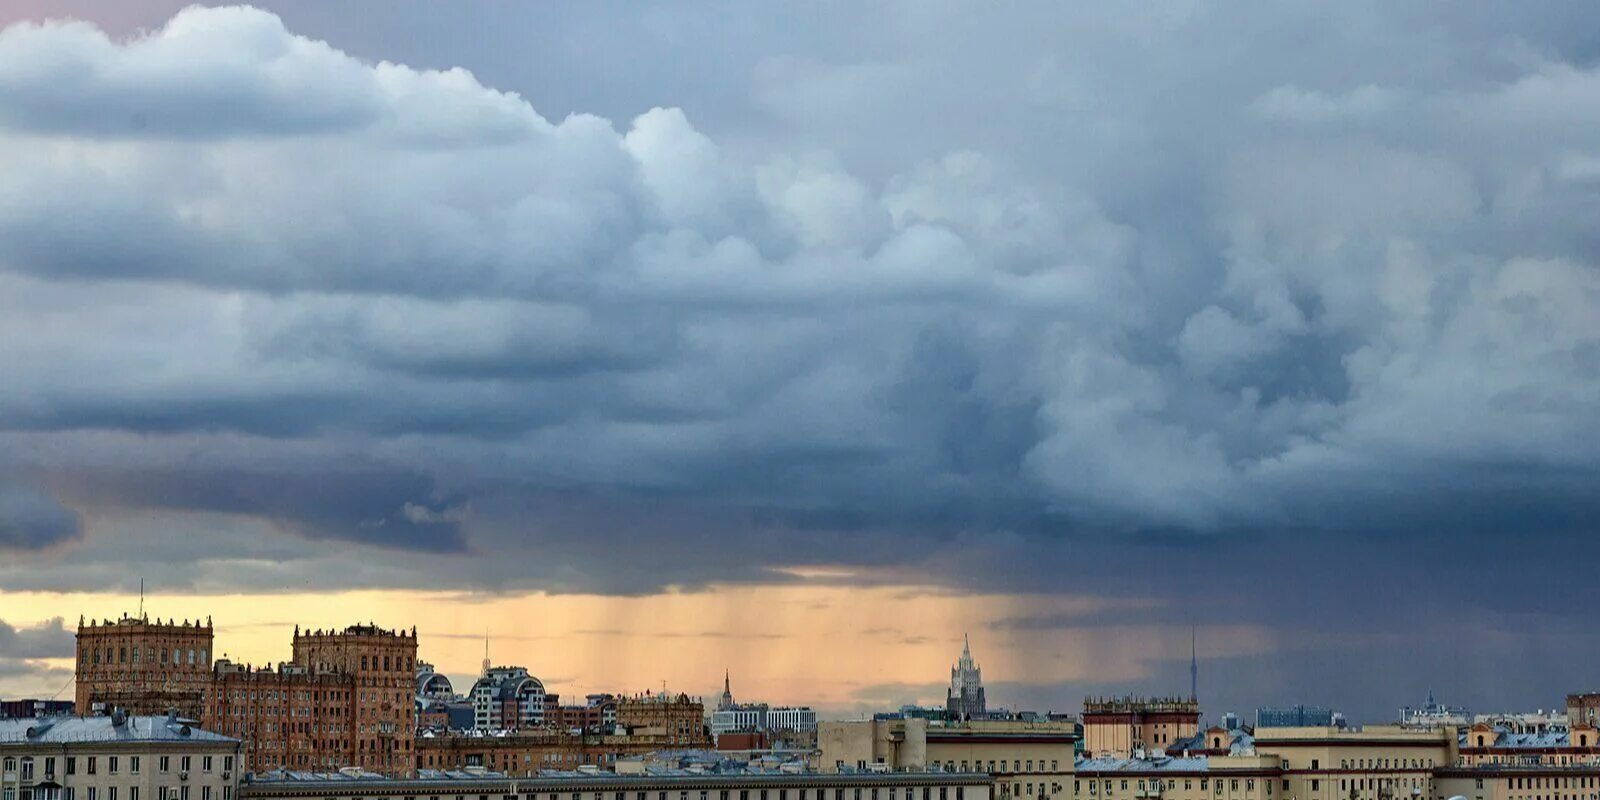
column 760, row 718
column 598, row 712
column 655, row 785
column 1033, row 760
column 1300, row 716
column 433, row 685
column 1584, row 707
column 1122, row 727
column 1165, row 778
column 965, row 699
column 32, row 707
column 143, row 667
column 527, row 752
column 1375, row 763
column 678, row 718
column 115, row 757
column 507, row 699
column 380, row 718
column 285, row 717
column 1492, row 744
column 1504, row 782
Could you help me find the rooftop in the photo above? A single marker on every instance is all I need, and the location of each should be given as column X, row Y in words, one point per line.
column 73, row 730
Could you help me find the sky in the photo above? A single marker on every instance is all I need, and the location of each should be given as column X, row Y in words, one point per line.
column 651, row 340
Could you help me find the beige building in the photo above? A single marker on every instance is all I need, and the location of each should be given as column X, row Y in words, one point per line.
column 1244, row 777
column 599, row 785
column 1120, row 727
column 1378, row 761
column 115, row 757
column 1505, row 782
column 1485, row 744
column 1026, row 759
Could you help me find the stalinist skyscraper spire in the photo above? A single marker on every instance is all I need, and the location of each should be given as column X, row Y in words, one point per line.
column 966, row 686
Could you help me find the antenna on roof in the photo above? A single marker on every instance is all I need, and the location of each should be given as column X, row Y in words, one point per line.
column 141, row 598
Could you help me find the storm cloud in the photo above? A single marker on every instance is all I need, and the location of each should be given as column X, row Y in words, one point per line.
column 901, row 287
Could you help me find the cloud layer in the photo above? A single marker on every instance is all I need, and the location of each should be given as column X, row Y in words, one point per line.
column 1004, row 285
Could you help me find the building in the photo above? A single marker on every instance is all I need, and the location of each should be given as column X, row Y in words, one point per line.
column 31, row 707
column 285, row 717
column 527, row 752
column 1300, row 716
column 115, row 757
column 1373, row 763
column 1485, row 744
column 657, row 784
column 432, row 684
column 507, row 699
column 1184, row 778
column 1122, row 727
column 1026, row 759
column 1514, row 782
column 965, row 699
column 679, row 718
column 380, row 713
column 1435, row 715
column 731, row 717
column 143, row 667
column 1584, row 707
column 598, row 712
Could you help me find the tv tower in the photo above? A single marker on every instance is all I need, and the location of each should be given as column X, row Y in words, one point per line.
column 1194, row 668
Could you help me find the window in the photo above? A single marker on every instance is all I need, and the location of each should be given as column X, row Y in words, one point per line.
column 133, row 767
column 111, row 764
column 90, row 767
column 205, row 763
column 163, row 764
column 27, row 768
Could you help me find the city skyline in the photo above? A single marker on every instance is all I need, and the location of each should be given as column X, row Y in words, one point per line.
column 799, row 339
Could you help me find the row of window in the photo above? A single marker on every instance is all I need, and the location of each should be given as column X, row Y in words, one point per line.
column 998, row 767
column 123, row 655
column 91, row 764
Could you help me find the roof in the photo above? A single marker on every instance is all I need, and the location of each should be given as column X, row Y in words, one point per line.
column 74, row 730
column 1143, row 765
column 1507, row 738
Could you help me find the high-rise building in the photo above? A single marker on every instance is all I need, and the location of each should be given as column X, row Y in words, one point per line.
column 507, row 699
column 290, row 717
column 381, row 713
column 143, row 667
column 1297, row 716
column 965, row 700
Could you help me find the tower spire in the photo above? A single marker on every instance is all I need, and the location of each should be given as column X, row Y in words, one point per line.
column 1194, row 667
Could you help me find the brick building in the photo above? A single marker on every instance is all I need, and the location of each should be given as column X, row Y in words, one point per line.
column 286, row 717
column 379, row 717
column 680, row 718
column 143, row 667
column 527, row 752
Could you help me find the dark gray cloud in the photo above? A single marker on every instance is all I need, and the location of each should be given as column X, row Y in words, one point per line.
column 31, row 520
column 24, row 650
column 1231, row 312
column 50, row 639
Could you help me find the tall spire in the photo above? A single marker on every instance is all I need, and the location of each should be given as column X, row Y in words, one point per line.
column 1194, row 668
column 726, row 701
